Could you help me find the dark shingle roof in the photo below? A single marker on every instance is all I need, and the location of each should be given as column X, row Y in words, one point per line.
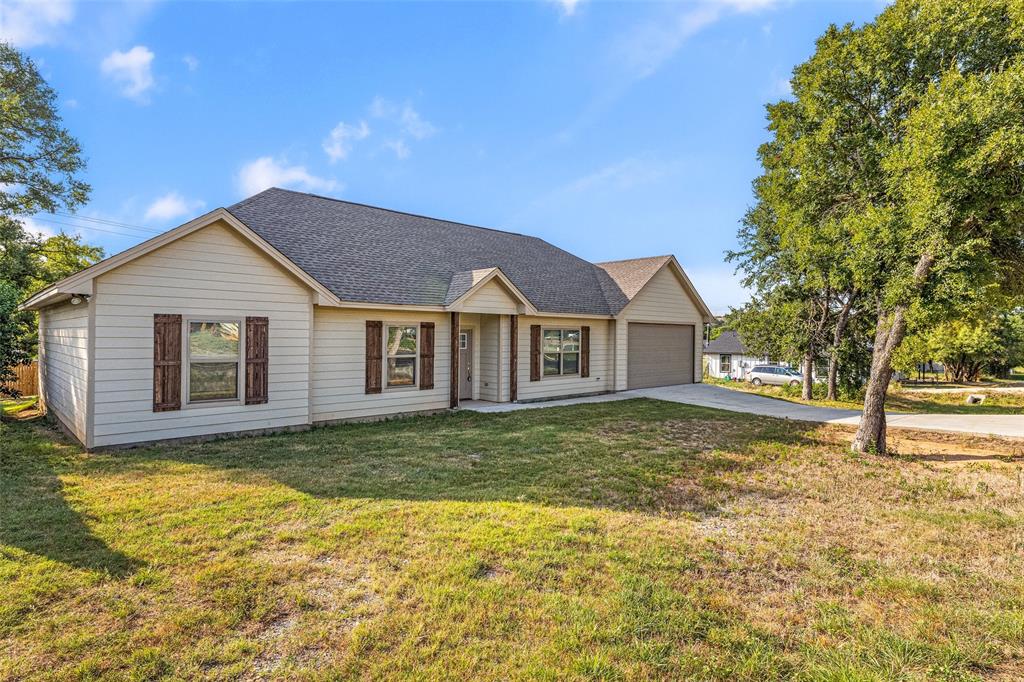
column 374, row 255
column 727, row 342
column 632, row 274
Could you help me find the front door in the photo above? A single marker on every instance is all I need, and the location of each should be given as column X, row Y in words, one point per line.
column 466, row 364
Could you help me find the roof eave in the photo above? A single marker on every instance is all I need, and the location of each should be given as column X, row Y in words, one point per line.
column 81, row 282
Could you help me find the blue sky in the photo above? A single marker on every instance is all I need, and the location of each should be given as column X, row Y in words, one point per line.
column 612, row 130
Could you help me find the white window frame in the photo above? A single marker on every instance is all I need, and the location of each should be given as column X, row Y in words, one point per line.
column 187, row 368
column 722, row 363
column 561, row 353
column 385, row 357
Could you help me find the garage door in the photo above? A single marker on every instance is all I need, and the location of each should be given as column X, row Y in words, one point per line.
column 659, row 355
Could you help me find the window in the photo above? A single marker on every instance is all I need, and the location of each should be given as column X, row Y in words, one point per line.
column 400, row 354
column 463, row 340
column 561, row 349
column 725, row 363
column 213, row 360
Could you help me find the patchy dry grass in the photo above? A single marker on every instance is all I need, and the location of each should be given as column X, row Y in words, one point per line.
column 625, row 540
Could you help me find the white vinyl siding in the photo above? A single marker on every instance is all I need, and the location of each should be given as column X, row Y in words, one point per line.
column 601, row 358
column 210, row 274
column 663, row 299
column 64, row 360
column 339, row 366
column 491, row 357
column 491, row 298
column 741, row 364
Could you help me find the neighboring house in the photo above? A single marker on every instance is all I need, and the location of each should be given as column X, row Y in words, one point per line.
column 726, row 356
column 288, row 309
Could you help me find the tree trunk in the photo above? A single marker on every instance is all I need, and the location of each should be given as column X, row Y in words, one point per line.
column 889, row 332
column 871, row 433
column 808, row 375
column 837, row 338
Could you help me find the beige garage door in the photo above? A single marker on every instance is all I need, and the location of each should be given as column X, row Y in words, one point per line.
column 659, row 355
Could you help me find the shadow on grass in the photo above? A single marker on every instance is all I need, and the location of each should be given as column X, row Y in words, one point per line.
column 34, row 514
column 623, row 455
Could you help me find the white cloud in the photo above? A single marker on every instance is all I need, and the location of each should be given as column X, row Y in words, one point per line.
column 172, row 205
column 132, row 70
column 256, row 176
column 407, row 118
column 37, row 227
column 646, row 47
column 191, row 62
column 414, row 125
column 399, row 147
column 748, row 5
column 382, row 108
column 568, row 7
column 340, row 140
column 623, row 175
column 33, row 22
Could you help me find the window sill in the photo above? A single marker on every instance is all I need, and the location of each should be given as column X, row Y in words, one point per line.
column 199, row 404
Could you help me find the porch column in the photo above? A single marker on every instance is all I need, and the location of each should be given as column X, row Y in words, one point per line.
column 453, row 384
column 513, row 358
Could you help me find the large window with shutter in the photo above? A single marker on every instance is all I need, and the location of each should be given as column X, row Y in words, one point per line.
column 401, row 351
column 561, row 348
column 214, row 360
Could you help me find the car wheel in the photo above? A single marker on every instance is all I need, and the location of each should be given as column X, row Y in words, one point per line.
column 794, row 383
column 756, row 382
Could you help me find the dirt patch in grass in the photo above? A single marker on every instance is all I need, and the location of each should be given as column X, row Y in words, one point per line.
column 937, row 446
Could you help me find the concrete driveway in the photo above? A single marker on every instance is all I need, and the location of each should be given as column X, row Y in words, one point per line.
column 708, row 395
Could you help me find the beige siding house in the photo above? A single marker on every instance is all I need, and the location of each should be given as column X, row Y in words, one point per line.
column 288, row 310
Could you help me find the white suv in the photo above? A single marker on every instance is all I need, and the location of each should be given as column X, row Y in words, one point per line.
column 777, row 376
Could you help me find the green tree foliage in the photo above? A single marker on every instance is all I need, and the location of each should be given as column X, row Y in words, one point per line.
column 39, row 166
column 977, row 341
column 61, row 256
column 896, row 173
column 12, row 351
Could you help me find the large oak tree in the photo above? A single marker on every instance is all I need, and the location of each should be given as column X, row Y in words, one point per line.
column 900, row 159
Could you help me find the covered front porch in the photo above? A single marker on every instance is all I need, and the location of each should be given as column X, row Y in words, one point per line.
column 484, row 362
column 485, row 308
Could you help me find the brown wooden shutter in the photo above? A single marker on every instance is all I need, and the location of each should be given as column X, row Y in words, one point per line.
column 534, row 352
column 455, row 378
column 584, row 352
column 513, row 357
column 257, row 360
column 426, row 355
column 166, row 362
column 374, row 355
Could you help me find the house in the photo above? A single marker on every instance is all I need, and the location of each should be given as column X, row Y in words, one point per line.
column 288, row 309
column 727, row 357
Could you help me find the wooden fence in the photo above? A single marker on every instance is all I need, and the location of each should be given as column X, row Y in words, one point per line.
column 27, row 381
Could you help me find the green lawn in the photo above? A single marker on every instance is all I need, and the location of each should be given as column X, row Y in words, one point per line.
column 625, row 540
column 905, row 399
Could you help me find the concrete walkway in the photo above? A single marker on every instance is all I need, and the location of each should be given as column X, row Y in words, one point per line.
column 706, row 395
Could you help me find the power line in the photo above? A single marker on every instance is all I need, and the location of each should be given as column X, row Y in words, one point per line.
column 87, row 227
column 106, row 221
